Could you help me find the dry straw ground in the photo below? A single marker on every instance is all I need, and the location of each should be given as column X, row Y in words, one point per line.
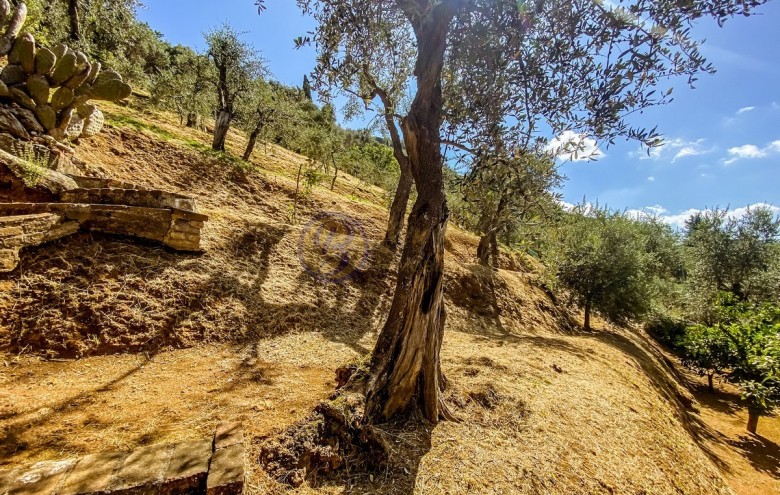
column 169, row 344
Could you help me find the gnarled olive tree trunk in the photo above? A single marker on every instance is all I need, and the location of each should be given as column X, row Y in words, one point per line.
column 405, row 365
column 221, row 127
column 395, row 222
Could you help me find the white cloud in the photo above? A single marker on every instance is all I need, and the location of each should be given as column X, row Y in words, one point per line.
column 651, row 179
column 751, row 151
column 575, row 147
column 679, row 219
column 673, row 150
column 745, row 110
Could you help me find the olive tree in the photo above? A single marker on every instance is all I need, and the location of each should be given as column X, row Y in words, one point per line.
column 517, row 70
column 237, row 66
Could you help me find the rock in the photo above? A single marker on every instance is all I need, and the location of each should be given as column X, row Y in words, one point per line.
column 23, row 52
column 10, row 124
column 93, row 73
column 226, row 474
column 75, row 127
column 107, row 75
column 92, row 474
column 60, row 50
column 76, row 81
column 46, row 116
column 228, row 434
column 5, row 9
column 111, row 90
column 17, row 21
column 4, row 89
column 143, row 471
column 64, row 70
column 45, row 60
column 42, row 477
column 13, row 74
column 28, row 120
column 22, row 98
column 93, row 123
column 188, row 469
column 38, row 89
column 5, row 45
column 61, row 98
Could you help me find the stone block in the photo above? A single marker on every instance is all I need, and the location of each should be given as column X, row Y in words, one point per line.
column 40, row 479
column 143, row 471
column 228, row 434
column 9, row 259
column 188, row 468
column 92, row 474
column 226, row 475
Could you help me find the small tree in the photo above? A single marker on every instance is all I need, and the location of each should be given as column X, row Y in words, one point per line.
column 237, row 66
column 509, row 194
column 601, row 257
column 184, row 86
column 707, row 351
column 754, row 332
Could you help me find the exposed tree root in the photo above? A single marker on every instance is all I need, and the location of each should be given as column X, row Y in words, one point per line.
column 332, row 437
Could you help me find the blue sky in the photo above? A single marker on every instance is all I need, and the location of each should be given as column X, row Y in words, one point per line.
column 723, row 138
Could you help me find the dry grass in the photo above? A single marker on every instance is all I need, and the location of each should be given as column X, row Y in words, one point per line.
column 173, row 343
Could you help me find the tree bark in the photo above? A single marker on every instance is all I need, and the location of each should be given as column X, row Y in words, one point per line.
column 587, row 316
column 395, row 223
column 221, row 127
column 710, row 386
column 250, row 145
column 405, row 365
column 192, row 119
column 752, row 424
column 73, row 16
column 483, row 249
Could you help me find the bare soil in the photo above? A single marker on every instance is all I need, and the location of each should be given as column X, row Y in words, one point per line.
column 111, row 343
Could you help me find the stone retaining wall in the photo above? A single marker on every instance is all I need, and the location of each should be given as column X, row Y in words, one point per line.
column 150, row 198
column 212, row 466
column 19, row 231
column 178, row 229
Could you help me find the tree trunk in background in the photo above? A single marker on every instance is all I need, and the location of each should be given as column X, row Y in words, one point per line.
column 192, row 119
column 752, row 423
column 250, row 145
column 587, row 316
column 405, row 365
column 710, row 387
column 221, row 127
column 483, row 249
column 73, row 16
column 395, row 223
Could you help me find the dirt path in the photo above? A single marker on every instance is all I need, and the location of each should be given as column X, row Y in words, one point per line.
column 750, row 463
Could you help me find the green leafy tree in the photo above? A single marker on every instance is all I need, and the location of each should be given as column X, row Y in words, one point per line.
column 726, row 253
column 513, row 71
column 707, row 351
column 601, row 257
column 510, row 195
column 237, row 66
column 185, row 86
column 754, row 333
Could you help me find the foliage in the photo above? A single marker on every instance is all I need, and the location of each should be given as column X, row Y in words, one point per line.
column 754, row 333
column 605, row 258
column 706, row 350
column 739, row 255
column 184, row 86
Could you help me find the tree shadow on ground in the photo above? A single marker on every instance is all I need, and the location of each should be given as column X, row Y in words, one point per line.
column 762, row 453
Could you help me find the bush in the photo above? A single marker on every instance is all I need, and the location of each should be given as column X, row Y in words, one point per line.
column 667, row 330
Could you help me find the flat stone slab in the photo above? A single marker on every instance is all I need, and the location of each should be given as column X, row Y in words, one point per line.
column 228, row 434
column 226, row 475
column 40, row 479
column 188, row 468
column 143, row 471
column 92, row 474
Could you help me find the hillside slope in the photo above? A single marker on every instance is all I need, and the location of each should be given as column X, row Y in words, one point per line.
column 170, row 344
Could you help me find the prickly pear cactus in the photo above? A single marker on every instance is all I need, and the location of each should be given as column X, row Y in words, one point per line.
column 52, row 86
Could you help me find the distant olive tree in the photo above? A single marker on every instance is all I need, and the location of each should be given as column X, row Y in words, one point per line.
column 602, row 258
column 237, row 66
